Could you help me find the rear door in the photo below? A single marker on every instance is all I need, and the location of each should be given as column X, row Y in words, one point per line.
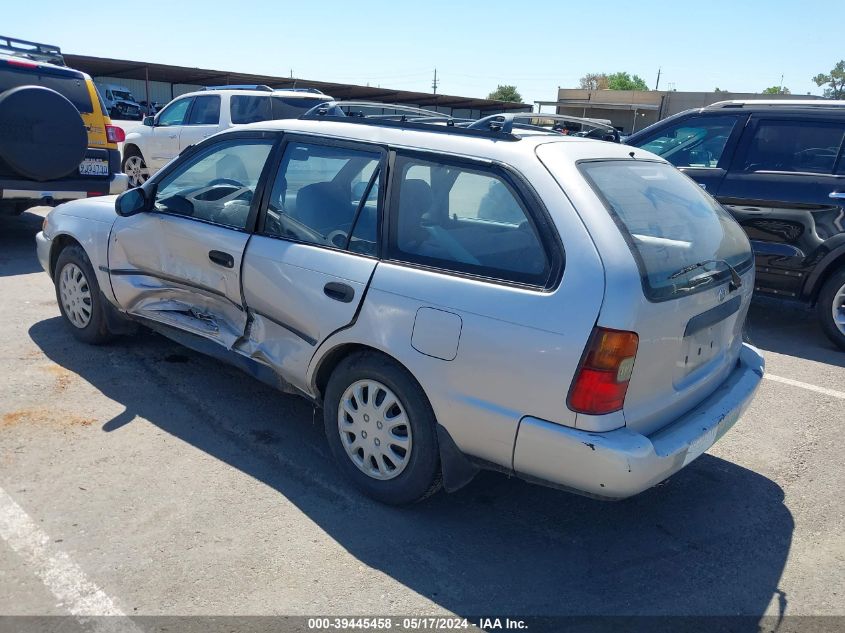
column 783, row 188
column 180, row 263
column 164, row 136
column 202, row 120
column 700, row 145
column 306, row 270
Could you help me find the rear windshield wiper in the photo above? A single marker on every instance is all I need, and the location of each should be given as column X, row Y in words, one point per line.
column 736, row 280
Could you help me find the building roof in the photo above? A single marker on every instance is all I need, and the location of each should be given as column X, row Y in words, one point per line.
column 106, row 67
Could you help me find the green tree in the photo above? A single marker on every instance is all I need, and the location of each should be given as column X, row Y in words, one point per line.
column 718, row 90
column 834, row 81
column 777, row 90
column 624, row 81
column 506, row 93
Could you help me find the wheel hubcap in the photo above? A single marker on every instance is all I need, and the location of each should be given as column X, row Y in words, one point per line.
column 136, row 170
column 75, row 294
column 374, row 429
column 838, row 308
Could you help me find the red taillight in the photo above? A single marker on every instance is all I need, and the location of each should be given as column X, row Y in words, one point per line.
column 115, row 134
column 22, row 63
column 605, row 370
column 94, row 194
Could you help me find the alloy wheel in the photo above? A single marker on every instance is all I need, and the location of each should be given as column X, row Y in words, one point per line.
column 137, row 171
column 838, row 309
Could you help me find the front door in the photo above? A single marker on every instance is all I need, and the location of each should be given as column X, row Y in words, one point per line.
column 179, row 263
column 779, row 189
column 306, row 270
column 164, row 137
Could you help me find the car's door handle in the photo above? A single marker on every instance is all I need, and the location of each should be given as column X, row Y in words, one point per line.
column 222, row 259
column 837, row 195
column 339, row 292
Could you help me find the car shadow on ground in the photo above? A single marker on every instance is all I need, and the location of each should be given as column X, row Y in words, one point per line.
column 712, row 540
column 790, row 328
column 17, row 244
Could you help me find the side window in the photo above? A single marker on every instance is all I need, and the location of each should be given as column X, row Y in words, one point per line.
column 797, row 146
column 206, row 111
column 216, row 185
column 292, row 108
column 174, row 114
column 318, row 197
column 464, row 219
column 249, row 109
column 694, row 142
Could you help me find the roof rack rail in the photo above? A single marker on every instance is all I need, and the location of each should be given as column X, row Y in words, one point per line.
column 804, row 103
column 32, row 50
column 507, row 122
column 309, row 90
column 260, row 87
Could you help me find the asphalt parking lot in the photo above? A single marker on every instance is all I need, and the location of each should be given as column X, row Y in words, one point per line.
column 144, row 478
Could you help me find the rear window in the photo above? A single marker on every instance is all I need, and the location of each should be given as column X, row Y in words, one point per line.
column 670, row 225
column 293, row 107
column 65, row 83
column 249, row 109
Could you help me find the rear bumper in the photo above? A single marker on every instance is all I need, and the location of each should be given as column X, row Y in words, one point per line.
column 622, row 463
column 63, row 190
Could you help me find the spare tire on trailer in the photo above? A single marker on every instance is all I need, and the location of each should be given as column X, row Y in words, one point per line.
column 42, row 135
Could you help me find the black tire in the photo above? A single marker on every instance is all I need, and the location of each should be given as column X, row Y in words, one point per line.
column 131, row 152
column 96, row 331
column 421, row 476
column 44, row 137
column 824, row 307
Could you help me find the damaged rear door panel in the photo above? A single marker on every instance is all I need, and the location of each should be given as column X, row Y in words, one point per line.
column 180, row 262
column 307, row 269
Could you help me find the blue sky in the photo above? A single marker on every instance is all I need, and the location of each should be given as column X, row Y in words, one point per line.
column 741, row 46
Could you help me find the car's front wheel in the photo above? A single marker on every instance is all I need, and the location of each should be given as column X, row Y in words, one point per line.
column 831, row 308
column 135, row 167
column 78, row 294
column 381, row 429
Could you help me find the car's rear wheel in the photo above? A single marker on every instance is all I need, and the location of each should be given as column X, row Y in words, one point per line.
column 381, row 429
column 831, row 308
column 78, row 294
column 135, row 167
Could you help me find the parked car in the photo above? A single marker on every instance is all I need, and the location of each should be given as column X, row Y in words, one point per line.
column 778, row 167
column 57, row 143
column 585, row 333
column 190, row 118
column 149, row 108
column 119, row 102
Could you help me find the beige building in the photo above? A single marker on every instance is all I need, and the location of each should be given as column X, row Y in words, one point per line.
column 632, row 110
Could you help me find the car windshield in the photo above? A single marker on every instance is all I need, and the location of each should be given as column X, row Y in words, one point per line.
column 122, row 94
column 671, row 226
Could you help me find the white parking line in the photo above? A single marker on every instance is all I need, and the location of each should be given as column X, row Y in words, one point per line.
column 57, row 571
column 807, row 386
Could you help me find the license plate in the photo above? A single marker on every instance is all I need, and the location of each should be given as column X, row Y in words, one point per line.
column 94, row 167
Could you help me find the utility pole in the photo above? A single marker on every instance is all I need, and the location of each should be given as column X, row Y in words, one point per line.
column 657, row 83
column 434, row 83
column 780, row 88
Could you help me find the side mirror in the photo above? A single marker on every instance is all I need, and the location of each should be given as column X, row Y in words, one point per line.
column 131, row 202
column 149, row 121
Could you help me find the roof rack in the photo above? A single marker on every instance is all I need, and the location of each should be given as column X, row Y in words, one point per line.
column 499, row 126
column 309, row 90
column 262, row 88
column 804, row 103
column 31, row 50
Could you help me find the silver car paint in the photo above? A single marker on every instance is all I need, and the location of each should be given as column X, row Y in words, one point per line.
column 517, row 350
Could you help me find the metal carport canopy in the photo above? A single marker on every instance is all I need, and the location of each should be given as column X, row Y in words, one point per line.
column 106, row 67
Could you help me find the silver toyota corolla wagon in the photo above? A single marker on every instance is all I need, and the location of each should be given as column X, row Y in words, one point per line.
column 453, row 295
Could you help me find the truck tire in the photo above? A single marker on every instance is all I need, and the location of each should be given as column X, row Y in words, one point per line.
column 42, row 135
column 830, row 308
